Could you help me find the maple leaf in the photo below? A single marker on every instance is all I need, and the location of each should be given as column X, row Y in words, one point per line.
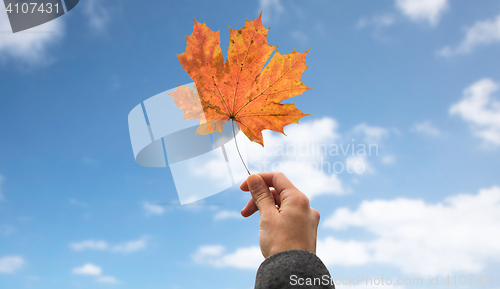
column 240, row 89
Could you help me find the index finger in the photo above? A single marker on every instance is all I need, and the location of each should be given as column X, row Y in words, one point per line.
column 277, row 180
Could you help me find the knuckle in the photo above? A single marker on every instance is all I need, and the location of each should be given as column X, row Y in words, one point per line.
column 265, row 221
column 302, row 201
column 279, row 175
column 316, row 215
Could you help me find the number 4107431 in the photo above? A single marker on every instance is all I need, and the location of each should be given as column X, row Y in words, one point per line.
column 470, row 279
column 32, row 7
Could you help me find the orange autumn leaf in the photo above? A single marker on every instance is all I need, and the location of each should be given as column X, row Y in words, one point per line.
column 239, row 89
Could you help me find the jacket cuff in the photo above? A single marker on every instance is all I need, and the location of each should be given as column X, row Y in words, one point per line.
column 293, row 269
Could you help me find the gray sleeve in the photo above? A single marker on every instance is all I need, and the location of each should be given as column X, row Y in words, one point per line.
column 293, row 269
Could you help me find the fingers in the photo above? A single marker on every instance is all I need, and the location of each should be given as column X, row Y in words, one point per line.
column 250, row 208
column 276, row 196
column 276, row 180
column 289, row 195
column 261, row 195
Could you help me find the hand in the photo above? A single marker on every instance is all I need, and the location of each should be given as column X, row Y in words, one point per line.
column 287, row 221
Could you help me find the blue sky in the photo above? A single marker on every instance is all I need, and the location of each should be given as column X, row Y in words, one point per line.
column 419, row 79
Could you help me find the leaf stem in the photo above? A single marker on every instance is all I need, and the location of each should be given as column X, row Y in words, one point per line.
column 234, row 136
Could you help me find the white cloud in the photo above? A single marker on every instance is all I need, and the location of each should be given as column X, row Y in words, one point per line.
column 2, row 178
column 422, row 10
column 97, row 14
column 29, row 46
column 223, row 215
column 301, row 156
column 459, row 234
column 90, row 245
column 298, row 155
column 88, row 269
column 153, row 209
column 376, row 20
column 358, row 165
column 11, row 264
column 481, row 33
column 313, row 154
column 371, row 134
column 126, row 247
column 480, row 110
column 107, row 280
column 388, row 159
column 344, row 253
column 315, row 182
column 213, row 169
column 130, row 246
column 243, row 258
column 271, row 10
column 426, row 127
column 210, row 250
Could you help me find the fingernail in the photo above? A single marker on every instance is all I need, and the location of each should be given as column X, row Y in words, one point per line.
column 254, row 182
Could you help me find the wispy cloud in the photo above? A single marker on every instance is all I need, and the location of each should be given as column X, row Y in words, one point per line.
column 89, row 161
column 126, row 247
column 242, row 258
column 481, row 110
column 376, row 20
column 152, row 209
column 98, row 15
column 422, row 10
column 419, row 237
column 223, row 215
column 87, row 269
column 371, row 134
column 271, row 10
column 388, row 159
column 130, row 246
column 29, row 46
column 90, row 245
column 107, row 280
column 11, row 264
column 481, row 33
column 90, row 269
column 426, row 127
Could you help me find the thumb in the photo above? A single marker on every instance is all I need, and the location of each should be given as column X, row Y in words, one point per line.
column 261, row 195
